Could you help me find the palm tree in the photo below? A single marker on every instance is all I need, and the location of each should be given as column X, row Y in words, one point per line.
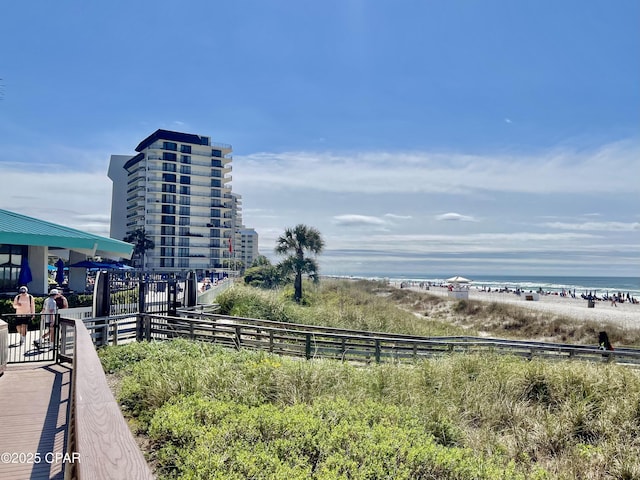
column 295, row 242
column 141, row 243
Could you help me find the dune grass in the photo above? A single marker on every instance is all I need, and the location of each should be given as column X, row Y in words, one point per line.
column 352, row 305
column 209, row 412
column 375, row 306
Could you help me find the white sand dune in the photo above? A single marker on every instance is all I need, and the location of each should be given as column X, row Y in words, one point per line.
column 626, row 315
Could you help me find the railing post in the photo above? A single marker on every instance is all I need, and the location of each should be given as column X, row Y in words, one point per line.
column 307, row 346
column 56, row 338
column 139, row 327
column 105, row 332
column 147, row 328
column 191, row 289
column 238, row 338
column 115, row 332
column 141, row 295
column 377, row 350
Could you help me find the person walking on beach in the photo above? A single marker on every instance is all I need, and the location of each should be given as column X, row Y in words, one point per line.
column 49, row 311
column 25, row 308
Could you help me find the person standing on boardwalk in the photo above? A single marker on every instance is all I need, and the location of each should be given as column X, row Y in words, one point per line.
column 61, row 301
column 25, row 310
column 49, row 310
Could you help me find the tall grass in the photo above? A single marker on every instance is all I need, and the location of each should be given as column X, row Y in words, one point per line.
column 208, row 412
column 215, row 413
column 357, row 305
column 375, row 306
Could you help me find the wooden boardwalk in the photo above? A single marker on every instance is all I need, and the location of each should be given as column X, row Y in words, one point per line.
column 34, row 404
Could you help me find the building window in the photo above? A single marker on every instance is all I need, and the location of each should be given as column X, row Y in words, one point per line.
column 184, row 221
column 168, row 167
column 168, row 231
column 168, row 220
column 167, row 252
column 166, row 262
column 10, row 260
column 168, row 177
column 185, row 200
column 186, row 169
column 185, row 190
column 216, row 153
column 169, row 241
column 169, row 156
column 183, row 262
column 171, row 209
column 184, row 231
column 216, row 183
column 183, row 252
column 185, row 159
column 169, row 198
column 185, row 210
column 185, row 148
column 169, row 188
column 185, row 180
column 169, row 146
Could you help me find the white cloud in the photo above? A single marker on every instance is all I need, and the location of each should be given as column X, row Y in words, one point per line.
column 357, row 220
column 393, row 216
column 76, row 199
column 456, row 217
column 595, row 226
column 563, row 171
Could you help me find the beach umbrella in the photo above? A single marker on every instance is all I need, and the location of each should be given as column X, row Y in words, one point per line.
column 25, row 272
column 59, row 272
column 100, row 265
column 86, row 264
column 458, row 279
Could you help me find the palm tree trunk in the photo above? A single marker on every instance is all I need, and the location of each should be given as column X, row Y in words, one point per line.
column 298, row 286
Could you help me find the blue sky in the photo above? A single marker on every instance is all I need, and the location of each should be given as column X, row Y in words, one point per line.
column 420, row 137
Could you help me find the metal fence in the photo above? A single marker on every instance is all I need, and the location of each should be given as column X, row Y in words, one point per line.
column 31, row 348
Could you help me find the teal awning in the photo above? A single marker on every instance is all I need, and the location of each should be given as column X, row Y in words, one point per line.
column 16, row 229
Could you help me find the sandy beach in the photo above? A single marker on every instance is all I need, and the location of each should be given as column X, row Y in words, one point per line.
column 626, row 315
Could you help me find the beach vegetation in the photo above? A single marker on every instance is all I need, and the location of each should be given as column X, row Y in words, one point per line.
column 298, row 243
column 351, row 305
column 263, row 274
column 141, row 241
column 205, row 411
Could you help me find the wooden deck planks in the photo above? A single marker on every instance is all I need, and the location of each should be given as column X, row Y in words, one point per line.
column 34, row 401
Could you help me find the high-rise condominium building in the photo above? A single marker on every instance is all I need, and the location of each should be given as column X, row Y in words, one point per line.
column 177, row 189
column 248, row 246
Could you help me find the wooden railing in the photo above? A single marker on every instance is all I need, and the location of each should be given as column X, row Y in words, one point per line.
column 311, row 341
column 98, row 434
column 4, row 345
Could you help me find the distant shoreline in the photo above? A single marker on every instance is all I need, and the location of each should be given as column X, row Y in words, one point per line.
column 626, row 315
column 600, row 286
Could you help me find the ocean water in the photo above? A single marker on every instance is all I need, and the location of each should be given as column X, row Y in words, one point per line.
column 553, row 284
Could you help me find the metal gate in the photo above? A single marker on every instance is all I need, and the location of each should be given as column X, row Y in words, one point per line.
column 31, row 348
column 115, row 293
column 118, row 293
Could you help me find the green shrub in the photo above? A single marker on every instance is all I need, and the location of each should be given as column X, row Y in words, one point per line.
column 212, row 412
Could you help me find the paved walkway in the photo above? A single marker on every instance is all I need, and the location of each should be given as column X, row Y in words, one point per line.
column 34, row 404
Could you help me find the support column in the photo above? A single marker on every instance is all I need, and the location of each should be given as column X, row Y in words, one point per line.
column 77, row 276
column 38, row 261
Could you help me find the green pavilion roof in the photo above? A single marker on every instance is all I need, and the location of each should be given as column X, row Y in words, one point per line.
column 16, row 229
